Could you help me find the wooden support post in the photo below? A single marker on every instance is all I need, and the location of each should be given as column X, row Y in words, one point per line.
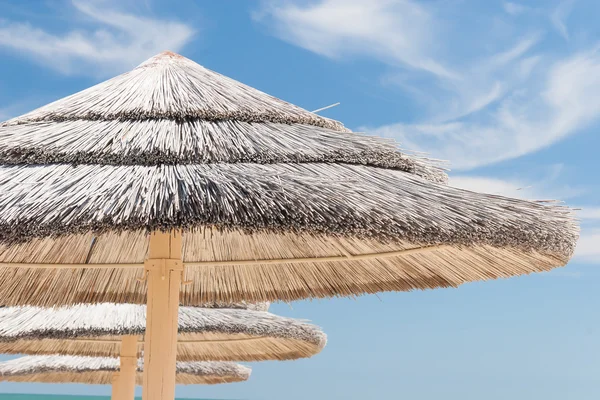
column 164, row 268
column 128, row 367
column 123, row 382
column 114, row 395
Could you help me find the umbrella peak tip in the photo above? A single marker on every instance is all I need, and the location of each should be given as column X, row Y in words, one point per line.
column 169, row 54
column 164, row 57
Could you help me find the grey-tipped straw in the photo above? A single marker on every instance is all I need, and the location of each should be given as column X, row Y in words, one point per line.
column 204, row 334
column 99, row 370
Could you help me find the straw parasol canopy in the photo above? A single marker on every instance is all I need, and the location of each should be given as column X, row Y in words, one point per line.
column 204, row 334
column 273, row 202
column 100, row 370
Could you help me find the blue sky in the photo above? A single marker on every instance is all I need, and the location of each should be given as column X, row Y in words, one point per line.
column 508, row 92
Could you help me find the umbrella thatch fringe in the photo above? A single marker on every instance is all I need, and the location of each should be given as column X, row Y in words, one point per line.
column 155, row 142
column 249, row 349
column 99, row 370
column 169, row 86
column 436, row 267
column 242, row 305
column 205, row 334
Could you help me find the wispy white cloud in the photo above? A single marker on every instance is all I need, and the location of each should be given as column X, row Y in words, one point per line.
column 408, row 35
column 485, row 81
column 399, row 32
column 525, row 120
column 112, row 42
column 588, row 250
column 497, row 186
column 503, row 100
column 589, row 214
column 545, row 184
column 514, row 8
column 559, row 15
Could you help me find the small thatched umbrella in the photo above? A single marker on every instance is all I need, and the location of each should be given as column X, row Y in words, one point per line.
column 105, row 370
column 273, row 202
column 205, row 334
column 244, row 333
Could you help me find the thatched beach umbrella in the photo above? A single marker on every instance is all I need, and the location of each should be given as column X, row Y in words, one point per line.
column 104, row 371
column 173, row 165
column 205, row 334
column 244, row 333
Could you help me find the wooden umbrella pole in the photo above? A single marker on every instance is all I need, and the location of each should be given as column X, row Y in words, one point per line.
column 128, row 367
column 115, row 391
column 164, row 268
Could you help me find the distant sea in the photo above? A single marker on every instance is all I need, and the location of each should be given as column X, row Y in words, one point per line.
column 9, row 396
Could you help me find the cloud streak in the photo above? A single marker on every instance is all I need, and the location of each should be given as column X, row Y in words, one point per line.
column 496, row 186
column 559, row 15
column 118, row 40
column 399, row 32
column 548, row 183
column 587, row 250
column 514, row 8
column 496, row 102
column 589, row 214
column 524, row 121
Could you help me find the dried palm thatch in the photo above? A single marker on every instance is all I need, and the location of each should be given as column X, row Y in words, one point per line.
column 204, row 334
column 151, row 142
column 100, row 370
column 275, row 203
column 170, row 110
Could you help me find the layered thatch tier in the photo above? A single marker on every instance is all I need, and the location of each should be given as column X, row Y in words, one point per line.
column 169, row 86
column 337, row 200
column 274, row 202
column 167, row 141
column 204, row 334
column 100, row 370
